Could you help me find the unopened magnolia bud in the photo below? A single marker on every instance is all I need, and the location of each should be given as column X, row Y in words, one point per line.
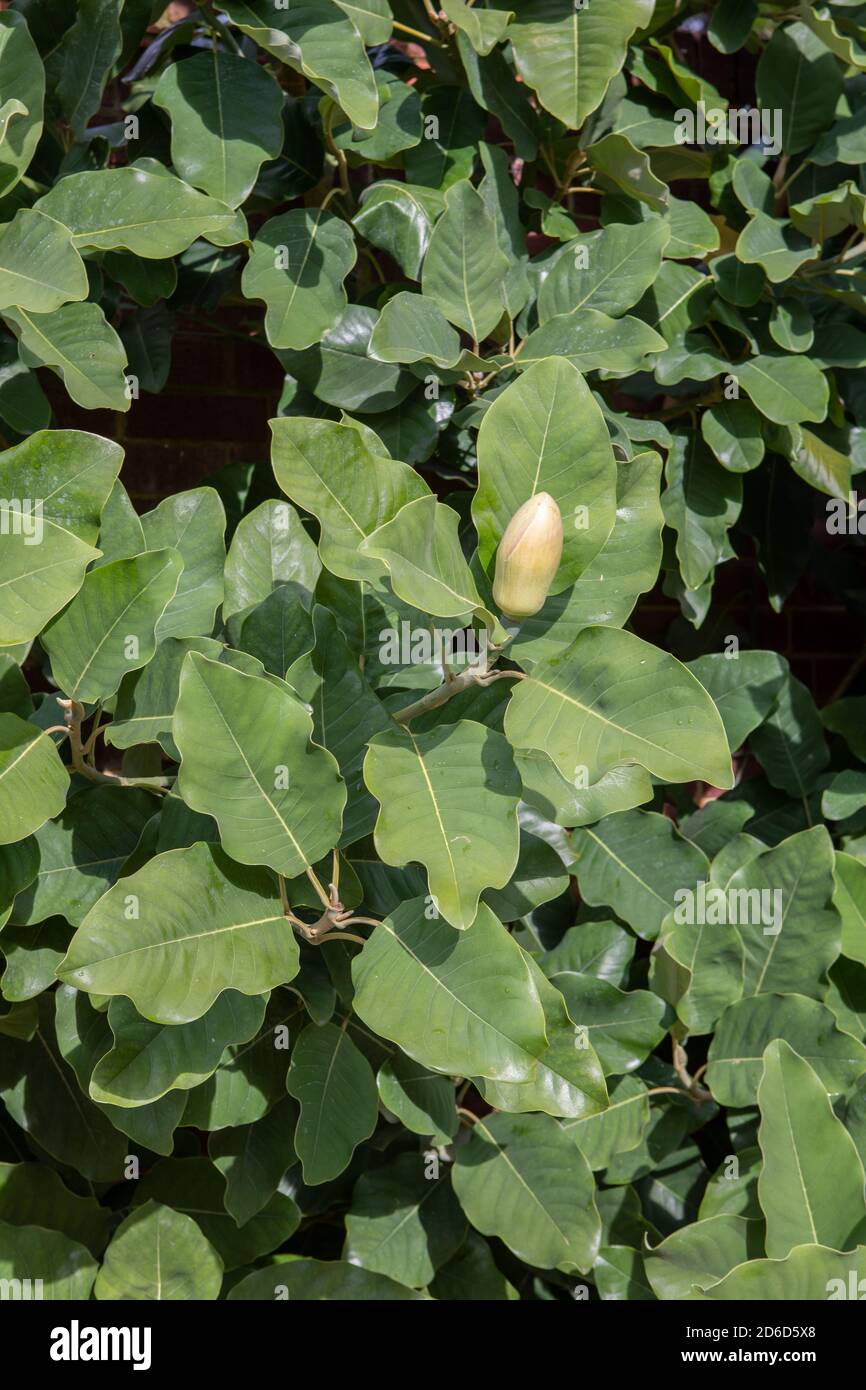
column 528, row 557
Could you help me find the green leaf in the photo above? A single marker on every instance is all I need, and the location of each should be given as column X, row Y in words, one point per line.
column 193, row 524
column 574, row 708
column 21, row 72
column 67, row 1268
column 336, row 1090
column 800, row 79
column 747, row 1028
column 110, row 626
column 411, row 328
column 80, row 346
column 226, row 120
column 33, row 241
column 462, row 1003
column 790, row 743
column 404, row 1221
column 568, row 1080
column 81, row 853
column 780, row 250
column 732, row 429
column 822, row 466
column 801, row 939
column 84, row 59
column 809, row 1272
column 422, row 1100
column 288, row 798
column 172, row 966
column 709, row 957
column 568, row 56
column 320, row 1280
column 616, row 1130
column 453, row 127
column 849, row 899
column 297, row 265
column 150, row 1059
column 254, row 1158
column 196, row 1189
column 472, row 1275
column 64, row 477
column 32, row 1194
column 700, row 1255
column 701, row 503
column 623, row 1027
column 153, row 215
column 635, row 861
column 250, row 1080
column 316, row 38
column 41, row 1093
column 526, row 445
column 811, row 1184
column 591, row 340
column 33, row 780
column 622, row 168
column 270, row 548
column 744, row 688
column 522, row 1179
column 788, row 390
column 484, row 28
column 607, row 270
column 421, row 548
column 329, row 470
column 157, row 1253
column 463, row 267
column 346, row 717
column 398, row 218
column 455, row 791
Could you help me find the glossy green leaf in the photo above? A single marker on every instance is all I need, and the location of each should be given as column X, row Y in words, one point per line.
column 173, row 965
column 33, row 780
column 463, row 267
column 336, row 1090
column 325, row 468
column 457, row 789
column 297, row 264
column 522, row 1179
column 32, row 241
column 747, row 1028
column 152, row 214
column 574, row 708
column 568, row 56
column 318, row 39
column 109, row 628
column 225, row 122
column 20, row 115
column 811, row 1184
column 462, row 1003
column 403, row 1222
column 158, row 1253
column 288, row 798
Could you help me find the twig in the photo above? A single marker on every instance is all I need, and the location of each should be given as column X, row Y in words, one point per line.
column 74, row 715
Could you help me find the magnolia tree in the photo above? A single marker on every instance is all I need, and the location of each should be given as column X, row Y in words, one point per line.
column 382, row 916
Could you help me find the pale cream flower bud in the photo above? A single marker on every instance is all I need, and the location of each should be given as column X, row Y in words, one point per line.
column 528, row 557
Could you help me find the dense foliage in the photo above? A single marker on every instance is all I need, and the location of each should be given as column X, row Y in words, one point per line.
column 360, row 940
